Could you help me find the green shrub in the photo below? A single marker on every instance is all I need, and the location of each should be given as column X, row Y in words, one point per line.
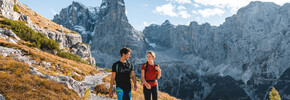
column 74, row 32
column 15, row 8
column 70, row 56
column 108, row 70
column 36, row 39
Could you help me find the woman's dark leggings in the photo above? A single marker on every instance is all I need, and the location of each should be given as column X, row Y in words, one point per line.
column 148, row 92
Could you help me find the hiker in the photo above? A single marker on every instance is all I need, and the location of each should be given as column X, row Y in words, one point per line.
column 121, row 71
column 150, row 72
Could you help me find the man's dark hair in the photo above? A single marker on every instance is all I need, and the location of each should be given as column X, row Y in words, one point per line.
column 125, row 50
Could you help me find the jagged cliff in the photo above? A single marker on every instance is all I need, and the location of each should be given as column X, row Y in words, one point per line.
column 79, row 18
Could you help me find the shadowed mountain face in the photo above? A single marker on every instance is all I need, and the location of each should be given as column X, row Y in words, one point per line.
column 240, row 59
column 112, row 32
column 79, row 18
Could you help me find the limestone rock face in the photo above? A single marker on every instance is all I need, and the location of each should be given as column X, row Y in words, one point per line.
column 112, row 32
column 83, row 50
column 7, row 9
column 79, row 18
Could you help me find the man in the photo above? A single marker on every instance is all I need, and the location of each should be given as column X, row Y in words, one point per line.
column 121, row 71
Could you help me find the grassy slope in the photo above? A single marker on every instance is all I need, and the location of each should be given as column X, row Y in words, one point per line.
column 41, row 21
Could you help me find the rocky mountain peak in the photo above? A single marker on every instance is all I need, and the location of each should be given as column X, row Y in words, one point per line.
column 166, row 22
column 79, row 18
column 112, row 32
column 77, row 4
column 113, row 10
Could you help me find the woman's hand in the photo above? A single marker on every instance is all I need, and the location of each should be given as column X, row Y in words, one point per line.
column 147, row 86
column 158, row 72
column 158, row 68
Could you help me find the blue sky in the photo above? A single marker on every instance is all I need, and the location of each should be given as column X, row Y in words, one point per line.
column 142, row 13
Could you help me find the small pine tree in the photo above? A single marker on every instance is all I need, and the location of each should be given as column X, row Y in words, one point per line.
column 15, row 8
column 274, row 94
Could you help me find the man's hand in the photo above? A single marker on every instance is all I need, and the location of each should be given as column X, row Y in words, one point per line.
column 135, row 87
column 111, row 84
column 110, row 93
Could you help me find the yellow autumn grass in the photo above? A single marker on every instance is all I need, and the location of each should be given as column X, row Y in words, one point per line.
column 41, row 21
column 16, row 83
column 59, row 66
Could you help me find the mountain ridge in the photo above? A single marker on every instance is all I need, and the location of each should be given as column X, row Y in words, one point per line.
column 250, row 47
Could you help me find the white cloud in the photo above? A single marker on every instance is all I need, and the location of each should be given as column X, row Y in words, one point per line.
column 181, row 8
column 167, row 9
column 126, row 12
column 196, row 5
column 234, row 5
column 198, row 18
column 211, row 12
column 147, row 24
column 182, row 1
column 184, row 14
column 53, row 11
column 194, row 12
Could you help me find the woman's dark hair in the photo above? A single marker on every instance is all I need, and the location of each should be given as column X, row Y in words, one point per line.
column 125, row 50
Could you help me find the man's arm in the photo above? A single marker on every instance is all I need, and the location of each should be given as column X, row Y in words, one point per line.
column 134, row 80
column 111, row 83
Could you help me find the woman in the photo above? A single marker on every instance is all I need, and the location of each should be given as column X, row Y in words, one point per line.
column 150, row 72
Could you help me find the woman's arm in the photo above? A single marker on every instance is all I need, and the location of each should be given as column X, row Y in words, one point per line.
column 143, row 79
column 158, row 72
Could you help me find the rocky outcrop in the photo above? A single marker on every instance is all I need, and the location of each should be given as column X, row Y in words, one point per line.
column 83, row 50
column 79, row 18
column 2, row 35
column 66, row 40
column 1, row 97
column 10, row 33
column 69, row 41
column 113, row 32
column 7, row 9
